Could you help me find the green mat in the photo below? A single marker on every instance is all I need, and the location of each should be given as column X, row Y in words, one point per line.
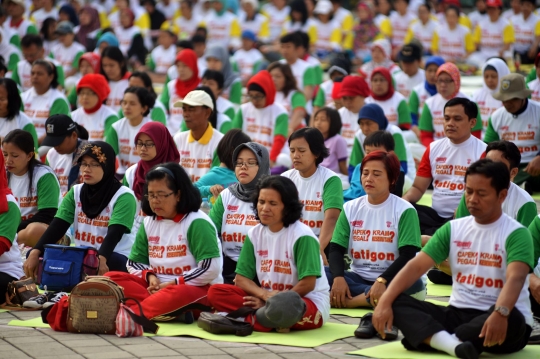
column 307, row 339
column 396, row 351
column 438, row 290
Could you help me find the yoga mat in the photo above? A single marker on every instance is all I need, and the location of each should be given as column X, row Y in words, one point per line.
column 351, row 312
column 396, row 350
column 438, row 290
column 437, row 302
column 425, row 200
column 307, row 339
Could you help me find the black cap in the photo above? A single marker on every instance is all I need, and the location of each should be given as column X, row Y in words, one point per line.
column 58, row 127
column 410, row 53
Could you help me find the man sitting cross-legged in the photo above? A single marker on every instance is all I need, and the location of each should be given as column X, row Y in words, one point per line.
column 490, row 256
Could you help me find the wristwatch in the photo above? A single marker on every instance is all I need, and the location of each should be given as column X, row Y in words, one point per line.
column 381, row 280
column 505, row 312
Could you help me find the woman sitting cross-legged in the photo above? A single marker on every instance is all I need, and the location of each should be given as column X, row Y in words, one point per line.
column 176, row 255
column 381, row 233
column 283, row 254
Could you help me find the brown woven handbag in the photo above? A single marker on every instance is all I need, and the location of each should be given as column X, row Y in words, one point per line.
column 93, row 306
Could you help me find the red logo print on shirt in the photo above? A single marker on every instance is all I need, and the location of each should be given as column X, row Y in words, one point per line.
column 232, row 208
column 463, row 244
column 440, row 159
column 179, row 238
column 388, row 224
column 263, row 253
column 153, row 239
column 359, row 224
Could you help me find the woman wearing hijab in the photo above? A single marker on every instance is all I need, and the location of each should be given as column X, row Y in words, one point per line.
column 101, row 211
column 89, row 63
column 67, row 13
column 364, row 32
column 87, row 30
column 10, row 216
column 130, row 38
column 494, row 69
column 155, row 145
column 232, row 213
column 431, row 122
column 381, row 50
column 217, row 58
column 393, row 103
column 187, row 81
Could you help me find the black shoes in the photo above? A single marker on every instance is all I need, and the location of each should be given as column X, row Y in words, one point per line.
column 366, row 330
column 466, row 350
column 439, row 277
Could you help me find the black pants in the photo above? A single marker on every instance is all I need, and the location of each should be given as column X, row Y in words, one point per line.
column 420, row 320
column 430, row 220
column 5, row 279
column 229, row 270
column 535, row 306
column 117, row 262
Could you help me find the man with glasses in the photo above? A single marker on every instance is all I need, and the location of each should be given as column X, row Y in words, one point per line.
column 197, row 146
column 261, row 119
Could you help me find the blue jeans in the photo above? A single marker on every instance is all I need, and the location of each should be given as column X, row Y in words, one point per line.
column 358, row 285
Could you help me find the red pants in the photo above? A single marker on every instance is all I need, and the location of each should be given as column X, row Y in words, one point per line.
column 168, row 300
column 228, row 298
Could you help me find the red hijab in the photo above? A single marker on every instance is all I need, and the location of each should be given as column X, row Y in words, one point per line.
column 93, row 59
column 4, row 189
column 386, row 74
column 166, row 151
column 189, row 58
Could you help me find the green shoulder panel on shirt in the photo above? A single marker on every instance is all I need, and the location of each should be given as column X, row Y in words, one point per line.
column 330, row 199
column 139, row 251
column 298, row 100
column 72, row 97
column 48, row 191
column 9, row 222
column 15, row 40
column 112, row 139
column 462, row 210
column 490, row 135
column 60, row 107
column 202, row 240
column 235, row 94
column 519, row 248
column 320, row 98
column 108, row 125
column 342, row 231
column 531, row 75
column 357, row 154
column 125, row 182
column 66, row 211
column 310, row 77
column 32, row 130
column 124, row 211
column 404, row 113
column 319, row 74
column 400, row 148
column 15, row 77
column 183, row 127
column 229, row 113
column 479, row 125
column 225, row 127
column 216, row 213
column 158, row 115
column 75, row 63
column 426, row 120
column 438, row 247
column 165, row 97
column 307, row 255
column 234, row 65
column 409, row 229
column 534, row 229
column 527, row 213
column 238, row 120
column 414, row 102
column 13, row 61
column 150, row 63
column 282, row 125
column 247, row 262
column 215, row 159
column 32, row 29
column 61, row 75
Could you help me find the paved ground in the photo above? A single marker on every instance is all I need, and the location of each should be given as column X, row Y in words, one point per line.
column 18, row 343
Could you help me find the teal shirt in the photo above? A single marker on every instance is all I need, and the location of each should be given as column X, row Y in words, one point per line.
column 216, row 175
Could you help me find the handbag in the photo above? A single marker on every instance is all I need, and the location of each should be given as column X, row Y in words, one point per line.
column 19, row 291
column 129, row 324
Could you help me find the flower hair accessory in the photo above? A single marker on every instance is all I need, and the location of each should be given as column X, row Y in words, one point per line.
column 96, row 151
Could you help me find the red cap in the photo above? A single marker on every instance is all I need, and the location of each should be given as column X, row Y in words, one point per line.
column 336, row 90
column 494, row 3
column 354, row 86
column 96, row 83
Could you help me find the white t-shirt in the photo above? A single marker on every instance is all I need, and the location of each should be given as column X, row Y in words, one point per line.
column 524, row 31
column 400, row 25
column 219, row 29
column 117, row 94
column 246, row 60
column 168, row 10
column 298, row 69
column 195, row 156
column 447, row 163
column 349, row 126
column 256, row 25
column 524, row 130
column 452, row 46
column 279, row 249
column 128, row 154
column 176, row 114
column 277, row 19
column 491, row 42
column 163, row 58
column 66, row 55
column 476, row 17
column 487, row 105
column 188, row 27
column 37, row 107
column 61, row 165
column 10, row 261
column 405, row 84
column 534, row 86
column 125, row 37
column 18, row 122
column 424, row 33
column 390, row 107
column 95, row 122
column 260, row 123
column 436, row 104
column 39, row 16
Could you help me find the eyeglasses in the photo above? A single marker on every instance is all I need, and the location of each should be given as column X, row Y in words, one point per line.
column 146, row 145
column 160, row 196
column 247, row 164
column 445, row 82
column 92, row 166
column 255, row 98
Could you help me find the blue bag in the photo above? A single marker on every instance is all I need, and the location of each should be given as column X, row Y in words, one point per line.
column 62, row 267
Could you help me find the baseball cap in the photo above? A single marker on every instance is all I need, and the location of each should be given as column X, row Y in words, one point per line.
column 249, row 35
column 283, row 310
column 58, row 127
column 410, row 53
column 64, row 27
column 512, row 86
column 494, row 3
column 196, row 98
column 323, row 7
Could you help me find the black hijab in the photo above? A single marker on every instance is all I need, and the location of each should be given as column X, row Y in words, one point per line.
column 94, row 198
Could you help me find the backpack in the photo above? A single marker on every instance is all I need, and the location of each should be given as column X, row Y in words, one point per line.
column 63, row 267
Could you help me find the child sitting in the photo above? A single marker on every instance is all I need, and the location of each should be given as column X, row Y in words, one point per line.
column 247, row 60
column 67, row 52
column 163, row 56
column 328, row 121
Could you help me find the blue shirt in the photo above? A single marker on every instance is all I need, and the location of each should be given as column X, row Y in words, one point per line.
column 216, row 175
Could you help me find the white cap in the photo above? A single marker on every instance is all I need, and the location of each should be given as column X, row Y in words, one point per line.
column 323, row 7
column 254, row 3
column 196, row 98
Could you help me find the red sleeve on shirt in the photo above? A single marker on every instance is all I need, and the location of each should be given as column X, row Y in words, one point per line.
column 279, row 142
column 477, row 134
column 426, row 137
column 405, row 126
column 424, row 169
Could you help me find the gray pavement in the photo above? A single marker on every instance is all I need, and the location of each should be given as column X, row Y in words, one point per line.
column 19, row 343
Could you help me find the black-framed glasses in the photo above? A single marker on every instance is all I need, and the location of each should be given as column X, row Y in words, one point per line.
column 247, row 164
column 160, row 196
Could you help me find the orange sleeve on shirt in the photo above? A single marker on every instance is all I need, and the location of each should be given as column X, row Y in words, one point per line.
column 424, row 169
